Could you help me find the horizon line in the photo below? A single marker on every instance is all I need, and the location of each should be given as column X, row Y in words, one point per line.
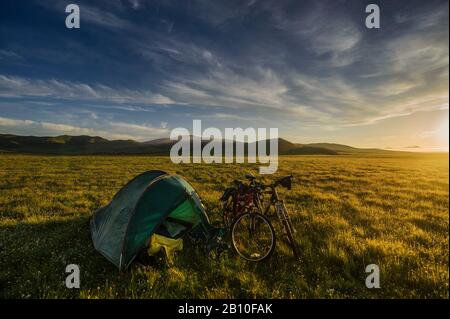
column 406, row 149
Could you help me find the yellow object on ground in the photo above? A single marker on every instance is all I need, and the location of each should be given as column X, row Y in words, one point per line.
column 169, row 245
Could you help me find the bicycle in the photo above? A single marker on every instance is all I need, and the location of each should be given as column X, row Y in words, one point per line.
column 252, row 234
column 236, row 199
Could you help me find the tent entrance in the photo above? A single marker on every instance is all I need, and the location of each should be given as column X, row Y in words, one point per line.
column 180, row 220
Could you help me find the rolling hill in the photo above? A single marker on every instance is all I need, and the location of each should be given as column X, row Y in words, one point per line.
column 88, row 145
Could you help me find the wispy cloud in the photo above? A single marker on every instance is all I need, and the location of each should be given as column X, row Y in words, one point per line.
column 104, row 18
column 112, row 130
column 325, row 32
column 228, row 89
column 14, row 86
column 9, row 55
column 140, row 130
column 135, row 4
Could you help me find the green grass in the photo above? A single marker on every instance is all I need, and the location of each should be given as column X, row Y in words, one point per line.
column 349, row 211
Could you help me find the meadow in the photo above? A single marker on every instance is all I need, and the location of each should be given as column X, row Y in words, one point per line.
column 349, row 211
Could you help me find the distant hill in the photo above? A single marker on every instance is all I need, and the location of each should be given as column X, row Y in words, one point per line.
column 345, row 149
column 88, row 145
column 309, row 150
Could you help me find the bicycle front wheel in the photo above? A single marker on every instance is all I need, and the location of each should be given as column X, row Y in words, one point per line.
column 253, row 236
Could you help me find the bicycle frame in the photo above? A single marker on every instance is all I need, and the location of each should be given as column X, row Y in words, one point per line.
column 282, row 214
column 279, row 205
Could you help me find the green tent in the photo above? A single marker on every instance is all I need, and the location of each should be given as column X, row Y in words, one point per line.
column 152, row 202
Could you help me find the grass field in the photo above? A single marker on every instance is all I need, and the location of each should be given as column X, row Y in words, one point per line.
column 349, row 211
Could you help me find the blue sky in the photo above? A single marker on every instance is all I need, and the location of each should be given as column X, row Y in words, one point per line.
column 137, row 69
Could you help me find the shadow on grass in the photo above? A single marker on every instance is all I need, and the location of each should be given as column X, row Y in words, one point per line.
column 35, row 255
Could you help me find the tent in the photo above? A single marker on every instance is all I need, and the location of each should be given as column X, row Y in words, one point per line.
column 153, row 202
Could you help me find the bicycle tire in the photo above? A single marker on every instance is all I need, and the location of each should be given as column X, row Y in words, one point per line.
column 236, row 222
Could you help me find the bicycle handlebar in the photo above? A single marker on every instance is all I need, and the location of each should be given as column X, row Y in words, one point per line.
column 285, row 181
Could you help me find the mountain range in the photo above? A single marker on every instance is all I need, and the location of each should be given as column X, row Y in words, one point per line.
column 89, row 145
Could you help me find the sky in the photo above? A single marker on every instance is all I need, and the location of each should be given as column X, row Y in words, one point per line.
column 137, row 69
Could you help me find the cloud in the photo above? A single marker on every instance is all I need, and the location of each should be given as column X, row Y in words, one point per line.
column 164, row 51
column 324, row 29
column 9, row 55
column 12, row 122
column 104, row 18
column 135, row 4
column 411, row 53
column 44, row 126
column 337, row 35
column 64, row 128
column 14, row 86
column 426, row 18
column 140, row 130
column 223, row 87
column 129, row 108
column 327, row 100
column 111, row 130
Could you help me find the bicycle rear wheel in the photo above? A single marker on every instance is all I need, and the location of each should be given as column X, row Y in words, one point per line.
column 253, row 236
